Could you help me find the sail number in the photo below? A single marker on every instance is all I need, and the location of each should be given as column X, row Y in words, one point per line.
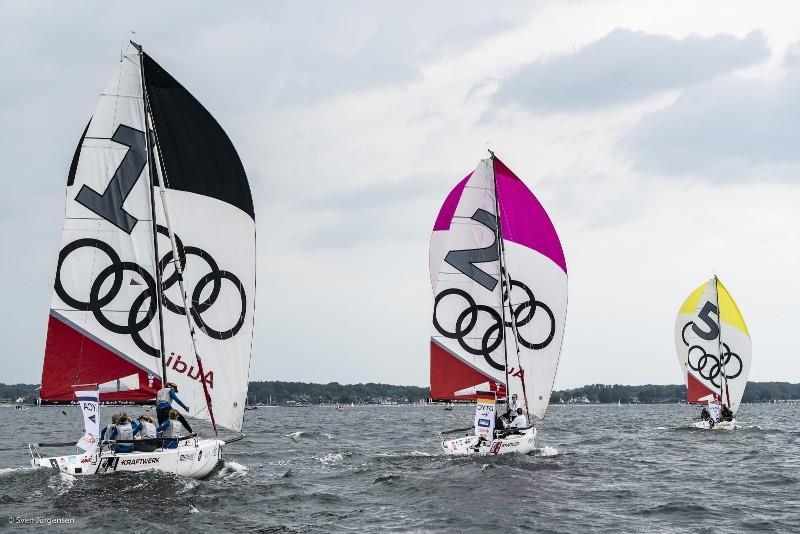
column 109, row 204
column 705, row 316
column 465, row 260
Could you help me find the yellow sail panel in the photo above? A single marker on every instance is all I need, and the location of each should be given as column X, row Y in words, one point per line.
column 729, row 311
column 691, row 304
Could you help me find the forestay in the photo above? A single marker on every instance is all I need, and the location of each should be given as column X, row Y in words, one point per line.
column 478, row 343
column 713, row 345
column 104, row 319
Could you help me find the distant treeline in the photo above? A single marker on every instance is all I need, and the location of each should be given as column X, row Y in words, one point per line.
column 655, row 394
column 333, row 392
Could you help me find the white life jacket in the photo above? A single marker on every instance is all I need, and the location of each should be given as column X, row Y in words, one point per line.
column 148, row 430
column 519, row 421
column 109, row 430
column 163, row 395
column 174, row 430
column 124, row 431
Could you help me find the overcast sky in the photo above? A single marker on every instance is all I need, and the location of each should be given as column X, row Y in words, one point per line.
column 661, row 137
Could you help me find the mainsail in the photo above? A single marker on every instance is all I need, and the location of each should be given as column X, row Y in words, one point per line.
column 491, row 234
column 139, row 209
column 713, row 345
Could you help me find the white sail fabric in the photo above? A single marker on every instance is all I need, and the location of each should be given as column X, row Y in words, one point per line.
column 103, row 323
column 210, row 211
column 467, row 308
column 215, row 230
column 713, row 346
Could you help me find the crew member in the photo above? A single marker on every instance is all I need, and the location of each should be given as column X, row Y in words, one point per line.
column 520, row 421
column 124, row 430
column 514, row 404
column 146, row 430
column 172, row 429
column 107, row 430
column 499, row 422
column 726, row 414
column 164, row 399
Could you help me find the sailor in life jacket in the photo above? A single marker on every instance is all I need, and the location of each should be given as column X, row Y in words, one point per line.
column 124, row 430
column 520, row 421
column 106, row 432
column 513, row 404
column 146, row 431
column 164, row 399
column 171, row 428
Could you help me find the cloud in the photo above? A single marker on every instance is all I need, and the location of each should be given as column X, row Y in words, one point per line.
column 732, row 129
column 626, row 66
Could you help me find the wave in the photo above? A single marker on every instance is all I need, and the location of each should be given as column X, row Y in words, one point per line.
column 4, row 471
column 333, row 457
column 384, row 479
column 546, row 451
column 230, row 470
column 308, row 434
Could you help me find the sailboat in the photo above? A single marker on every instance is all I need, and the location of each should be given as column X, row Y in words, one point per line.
column 499, row 281
column 155, row 280
column 714, row 351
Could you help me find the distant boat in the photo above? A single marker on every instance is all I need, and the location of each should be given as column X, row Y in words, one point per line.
column 619, row 402
column 448, row 407
column 499, row 281
column 714, row 352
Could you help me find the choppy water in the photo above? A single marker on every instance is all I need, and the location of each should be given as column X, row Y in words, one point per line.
column 379, row 469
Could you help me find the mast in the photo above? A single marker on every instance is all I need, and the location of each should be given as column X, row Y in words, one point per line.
column 506, row 283
column 153, row 178
column 177, row 265
column 502, row 270
column 724, row 382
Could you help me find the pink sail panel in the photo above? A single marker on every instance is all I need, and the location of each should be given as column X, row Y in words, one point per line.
column 449, row 207
column 522, row 217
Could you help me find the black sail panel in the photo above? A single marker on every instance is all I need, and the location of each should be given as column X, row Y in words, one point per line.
column 196, row 153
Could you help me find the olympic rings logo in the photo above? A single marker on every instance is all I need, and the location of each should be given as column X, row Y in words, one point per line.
column 708, row 365
column 132, row 326
column 492, row 336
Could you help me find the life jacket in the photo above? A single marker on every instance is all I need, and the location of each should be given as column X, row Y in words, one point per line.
column 148, row 430
column 163, row 396
column 107, row 434
column 174, row 430
column 124, row 431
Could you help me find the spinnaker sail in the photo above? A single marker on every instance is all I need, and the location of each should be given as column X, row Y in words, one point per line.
column 713, row 346
column 491, row 234
column 144, row 210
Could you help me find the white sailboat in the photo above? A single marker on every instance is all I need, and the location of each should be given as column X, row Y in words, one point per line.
column 714, row 352
column 499, row 281
column 155, row 280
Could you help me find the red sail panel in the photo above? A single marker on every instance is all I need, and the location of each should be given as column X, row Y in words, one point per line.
column 696, row 391
column 72, row 357
column 450, row 375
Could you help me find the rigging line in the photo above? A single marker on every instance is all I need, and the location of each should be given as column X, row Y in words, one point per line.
column 719, row 346
column 151, row 171
column 184, row 296
column 499, row 235
column 514, row 329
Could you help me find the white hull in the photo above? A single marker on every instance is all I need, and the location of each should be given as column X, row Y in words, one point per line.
column 522, row 443
column 722, row 425
column 193, row 458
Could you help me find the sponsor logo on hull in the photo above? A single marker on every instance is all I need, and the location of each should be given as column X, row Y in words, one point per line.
column 140, row 461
